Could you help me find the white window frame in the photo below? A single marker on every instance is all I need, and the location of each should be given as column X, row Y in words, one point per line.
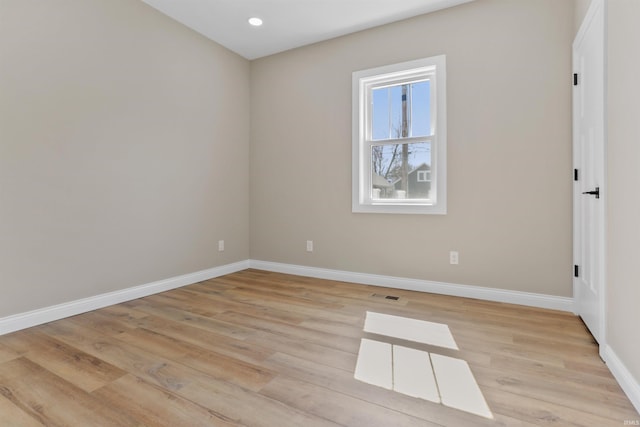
column 363, row 83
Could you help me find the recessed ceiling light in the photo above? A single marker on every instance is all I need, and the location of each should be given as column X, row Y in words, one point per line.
column 256, row 22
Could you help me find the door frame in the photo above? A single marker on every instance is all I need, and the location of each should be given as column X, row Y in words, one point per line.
column 596, row 7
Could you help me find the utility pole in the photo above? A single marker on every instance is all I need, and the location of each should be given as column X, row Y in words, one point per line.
column 405, row 147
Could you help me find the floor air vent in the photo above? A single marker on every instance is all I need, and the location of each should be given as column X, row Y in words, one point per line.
column 387, row 297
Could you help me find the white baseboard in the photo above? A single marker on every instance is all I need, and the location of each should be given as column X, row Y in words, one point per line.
column 629, row 384
column 60, row 311
column 48, row 314
column 489, row 294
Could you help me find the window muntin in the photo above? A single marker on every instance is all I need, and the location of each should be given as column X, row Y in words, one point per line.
column 399, row 137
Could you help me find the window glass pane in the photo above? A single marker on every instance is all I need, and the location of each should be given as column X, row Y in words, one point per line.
column 421, row 109
column 389, row 114
column 395, row 169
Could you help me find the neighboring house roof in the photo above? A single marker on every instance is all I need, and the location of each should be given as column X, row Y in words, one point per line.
column 380, row 181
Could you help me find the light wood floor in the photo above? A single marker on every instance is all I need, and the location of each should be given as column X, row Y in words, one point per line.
column 265, row 349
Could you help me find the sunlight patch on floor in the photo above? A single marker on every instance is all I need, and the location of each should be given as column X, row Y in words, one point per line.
column 458, row 388
column 415, row 330
column 412, row 374
column 374, row 364
column 417, row 373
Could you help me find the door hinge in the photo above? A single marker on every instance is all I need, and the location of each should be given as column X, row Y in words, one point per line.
column 575, row 174
column 576, row 271
column 575, row 79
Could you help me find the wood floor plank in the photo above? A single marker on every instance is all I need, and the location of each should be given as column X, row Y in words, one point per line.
column 158, row 368
column 579, row 367
column 153, row 406
column 180, row 315
column 122, row 313
column 319, row 337
column 12, row 415
column 153, row 368
column 333, row 327
column 223, row 303
column 511, row 352
column 305, row 308
column 232, row 370
column 251, row 409
column 186, row 303
column 544, row 413
column 210, row 362
column 342, row 409
column 578, row 396
column 227, row 399
column 240, row 349
column 99, row 322
column 7, row 353
column 81, row 369
column 52, row 400
column 305, row 350
column 586, row 378
column 17, row 342
column 248, row 408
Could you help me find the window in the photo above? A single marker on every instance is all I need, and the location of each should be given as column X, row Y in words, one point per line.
column 399, row 138
column 424, row 176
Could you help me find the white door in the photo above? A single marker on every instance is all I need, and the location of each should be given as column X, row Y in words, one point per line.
column 589, row 174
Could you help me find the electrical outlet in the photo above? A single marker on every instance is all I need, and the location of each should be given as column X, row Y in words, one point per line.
column 309, row 245
column 454, row 257
column 221, row 245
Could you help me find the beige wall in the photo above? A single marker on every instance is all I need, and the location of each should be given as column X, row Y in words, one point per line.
column 509, row 124
column 623, row 210
column 123, row 150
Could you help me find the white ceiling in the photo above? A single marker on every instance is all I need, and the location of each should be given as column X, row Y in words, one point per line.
column 288, row 23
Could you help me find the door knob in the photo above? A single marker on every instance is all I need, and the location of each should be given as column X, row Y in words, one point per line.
column 595, row 192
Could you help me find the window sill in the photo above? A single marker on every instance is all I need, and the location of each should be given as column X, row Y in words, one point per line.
column 414, row 209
